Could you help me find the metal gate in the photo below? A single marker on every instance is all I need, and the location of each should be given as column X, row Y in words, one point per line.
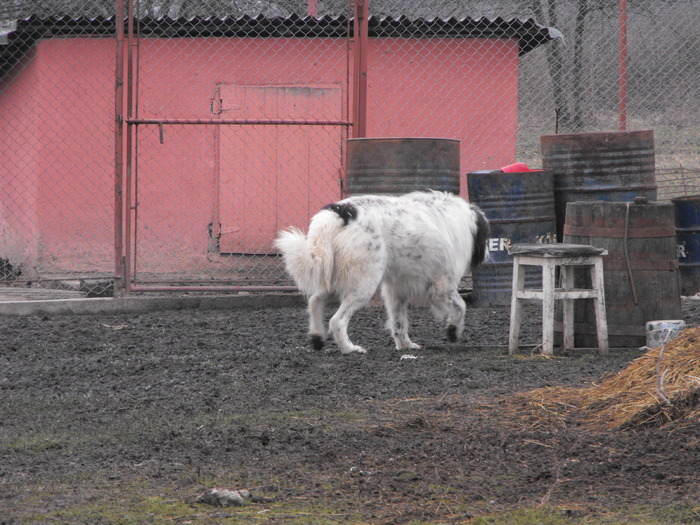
column 247, row 140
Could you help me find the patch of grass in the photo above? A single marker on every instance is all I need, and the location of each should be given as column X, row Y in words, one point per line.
column 146, row 510
column 538, row 515
column 649, row 515
column 37, row 443
column 87, row 500
column 547, row 515
column 97, row 499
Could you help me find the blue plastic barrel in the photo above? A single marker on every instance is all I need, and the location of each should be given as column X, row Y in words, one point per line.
column 688, row 239
column 520, row 209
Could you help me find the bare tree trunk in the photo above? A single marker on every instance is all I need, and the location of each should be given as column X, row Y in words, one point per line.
column 577, row 119
column 546, row 13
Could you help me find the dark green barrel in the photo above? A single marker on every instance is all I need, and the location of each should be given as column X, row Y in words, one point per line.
column 614, row 167
column 401, row 165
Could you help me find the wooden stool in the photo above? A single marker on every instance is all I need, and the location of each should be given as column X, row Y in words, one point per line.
column 549, row 257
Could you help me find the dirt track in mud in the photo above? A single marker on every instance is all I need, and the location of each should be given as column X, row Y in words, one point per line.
column 102, row 413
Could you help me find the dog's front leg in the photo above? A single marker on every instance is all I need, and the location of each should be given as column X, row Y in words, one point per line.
column 455, row 320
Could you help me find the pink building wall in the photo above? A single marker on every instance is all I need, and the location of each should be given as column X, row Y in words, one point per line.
column 58, row 118
column 460, row 89
column 58, row 156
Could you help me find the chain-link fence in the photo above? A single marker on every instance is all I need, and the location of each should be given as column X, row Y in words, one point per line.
column 160, row 145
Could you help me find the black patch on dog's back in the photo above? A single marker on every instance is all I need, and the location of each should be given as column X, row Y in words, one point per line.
column 483, row 232
column 346, row 211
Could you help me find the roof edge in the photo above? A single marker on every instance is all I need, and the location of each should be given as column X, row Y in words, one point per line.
column 528, row 32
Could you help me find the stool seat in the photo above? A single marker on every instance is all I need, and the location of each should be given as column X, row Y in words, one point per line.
column 555, row 250
column 550, row 257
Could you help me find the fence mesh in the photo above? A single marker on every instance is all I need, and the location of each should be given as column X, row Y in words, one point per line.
column 232, row 117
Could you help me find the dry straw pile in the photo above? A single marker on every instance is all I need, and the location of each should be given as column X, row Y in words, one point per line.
column 661, row 387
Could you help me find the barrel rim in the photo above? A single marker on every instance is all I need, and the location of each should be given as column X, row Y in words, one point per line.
column 620, row 203
column 599, row 134
column 686, row 198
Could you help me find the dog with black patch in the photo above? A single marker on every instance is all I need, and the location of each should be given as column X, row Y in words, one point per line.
column 416, row 247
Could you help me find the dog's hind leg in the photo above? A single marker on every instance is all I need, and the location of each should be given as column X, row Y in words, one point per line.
column 338, row 324
column 397, row 310
column 317, row 329
column 356, row 282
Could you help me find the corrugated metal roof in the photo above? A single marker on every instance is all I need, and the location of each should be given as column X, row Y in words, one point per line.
column 528, row 32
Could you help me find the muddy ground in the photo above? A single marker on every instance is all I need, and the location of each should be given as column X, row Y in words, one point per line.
column 128, row 418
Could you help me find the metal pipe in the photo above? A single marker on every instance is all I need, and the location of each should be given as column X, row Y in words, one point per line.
column 237, row 122
column 623, row 66
column 119, row 113
column 129, row 156
column 215, row 225
column 135, row 82
column 214, row 289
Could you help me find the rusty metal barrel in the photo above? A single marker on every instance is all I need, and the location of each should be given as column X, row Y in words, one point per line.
column 520, row 209
column 641, row 268
column 688, row 237
column 402, row 165
column 615, row 167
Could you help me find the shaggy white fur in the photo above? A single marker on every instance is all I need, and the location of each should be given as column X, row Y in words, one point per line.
column 416, row 246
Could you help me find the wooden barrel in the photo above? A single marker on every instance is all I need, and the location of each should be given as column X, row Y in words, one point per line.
column 520, row 209
column 615, row 167
column 402, row 165
column 688, row 237
column 641, row 268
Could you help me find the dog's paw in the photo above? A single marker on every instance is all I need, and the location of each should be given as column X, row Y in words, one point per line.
column 452, row 333
column 317, row 342
column 408, row 346
column 353, row 349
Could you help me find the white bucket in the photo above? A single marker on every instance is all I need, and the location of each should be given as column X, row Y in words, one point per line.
column 657, row 331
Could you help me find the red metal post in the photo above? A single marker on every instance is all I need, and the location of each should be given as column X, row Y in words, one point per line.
column 119, row 114
column 361, row 37
column 623, row 66
column 129, row 152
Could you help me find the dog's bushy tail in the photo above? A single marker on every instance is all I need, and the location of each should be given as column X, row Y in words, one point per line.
column 481, row 238
column 309, row 258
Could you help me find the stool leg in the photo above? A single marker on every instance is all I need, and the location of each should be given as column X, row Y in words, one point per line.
column 515, row 307
column 567, row 277
column 548, row 272
column 601, row 321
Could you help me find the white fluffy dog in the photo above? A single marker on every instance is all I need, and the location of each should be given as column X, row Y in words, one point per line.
column 416, row 246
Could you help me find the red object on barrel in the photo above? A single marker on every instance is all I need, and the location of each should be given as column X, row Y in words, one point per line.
column 518, row 167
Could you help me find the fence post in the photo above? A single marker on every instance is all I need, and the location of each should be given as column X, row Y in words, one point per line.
column 119, row 148
column 361, row 37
